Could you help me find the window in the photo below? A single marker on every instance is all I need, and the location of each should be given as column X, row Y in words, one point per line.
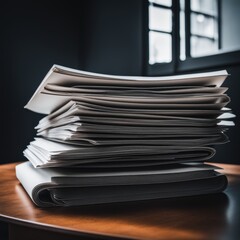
column 186, row 34
column 203, row 26
column 160, row 31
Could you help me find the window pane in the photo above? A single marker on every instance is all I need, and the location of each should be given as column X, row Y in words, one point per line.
column 182, row 36
column 182, row 4
column 160, row 47
column 182, row 31
column 162, row 2
column 202, row 46
column 204, row 6
column 204, row 26
column 160, row 19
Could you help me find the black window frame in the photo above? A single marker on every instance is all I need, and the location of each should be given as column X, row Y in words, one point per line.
column 178, row 66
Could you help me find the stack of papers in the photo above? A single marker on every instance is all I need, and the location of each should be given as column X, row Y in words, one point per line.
column 109, row 138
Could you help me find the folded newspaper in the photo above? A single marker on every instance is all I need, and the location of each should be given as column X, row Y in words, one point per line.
column 68, row 187
column 108, row 138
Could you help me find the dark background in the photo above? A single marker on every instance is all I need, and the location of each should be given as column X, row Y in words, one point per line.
column 100, row 36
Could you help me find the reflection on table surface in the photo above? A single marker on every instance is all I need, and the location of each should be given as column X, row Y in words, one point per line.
column 213, row 216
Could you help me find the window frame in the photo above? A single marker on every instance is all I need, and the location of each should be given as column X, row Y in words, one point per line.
column 189, row 34
column 166, row 68
column 160, row 6
column 178, row 66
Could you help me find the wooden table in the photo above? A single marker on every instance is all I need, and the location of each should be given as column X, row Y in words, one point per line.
column 215, row 216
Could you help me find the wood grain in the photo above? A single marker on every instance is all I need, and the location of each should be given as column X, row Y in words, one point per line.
column 201, row 217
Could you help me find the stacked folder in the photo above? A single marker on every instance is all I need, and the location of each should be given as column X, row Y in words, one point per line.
column 109, row 138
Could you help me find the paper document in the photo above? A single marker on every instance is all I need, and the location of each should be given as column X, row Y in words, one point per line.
column 108, row 138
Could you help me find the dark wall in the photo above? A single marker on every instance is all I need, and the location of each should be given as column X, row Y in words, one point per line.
column 35, row 35
column 101, row 36
column 230, row 33
column 113, row 36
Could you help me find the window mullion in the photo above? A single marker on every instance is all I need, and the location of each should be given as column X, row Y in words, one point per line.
column 202, row 36
column 204, row 14
column 175, row 33
column 159, row 5
column 160, row 31
column 219, row 23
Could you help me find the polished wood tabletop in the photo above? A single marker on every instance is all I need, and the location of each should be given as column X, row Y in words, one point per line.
column 214, row 216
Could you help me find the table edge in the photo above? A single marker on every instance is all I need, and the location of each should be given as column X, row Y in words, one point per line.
column 60, row 229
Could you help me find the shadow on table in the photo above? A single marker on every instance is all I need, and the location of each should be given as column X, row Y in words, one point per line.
column 193, row 216
column 196, row 217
